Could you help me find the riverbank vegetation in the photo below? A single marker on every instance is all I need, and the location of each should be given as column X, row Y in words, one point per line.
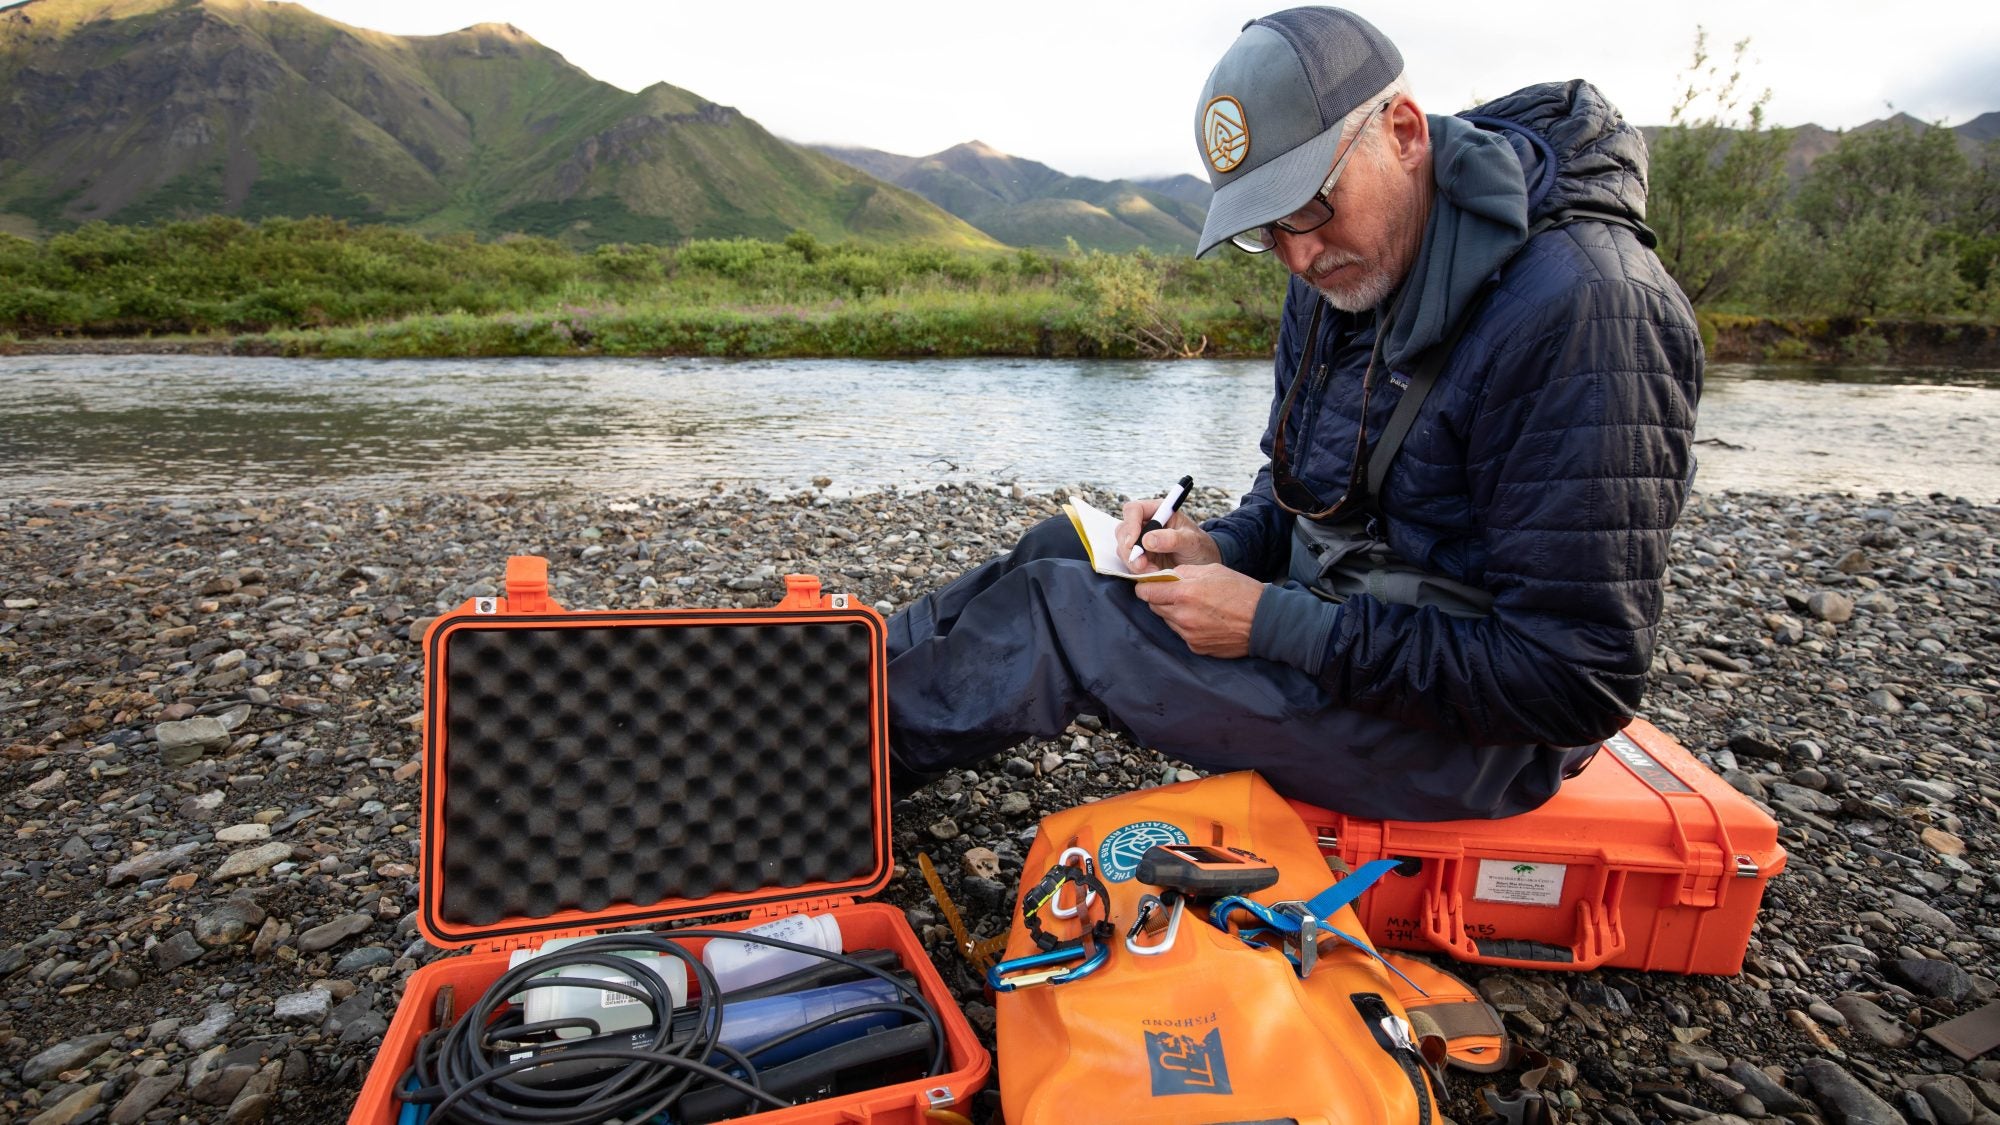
column 327, row 287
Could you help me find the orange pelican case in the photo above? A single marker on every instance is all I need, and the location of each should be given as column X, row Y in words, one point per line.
column 1644, row 860
column 606, row 770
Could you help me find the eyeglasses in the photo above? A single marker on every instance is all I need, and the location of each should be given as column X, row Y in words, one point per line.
column 1315, row 212
column 1289, row 491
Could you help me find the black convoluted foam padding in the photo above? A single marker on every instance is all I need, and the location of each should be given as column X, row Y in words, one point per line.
column 587, row 768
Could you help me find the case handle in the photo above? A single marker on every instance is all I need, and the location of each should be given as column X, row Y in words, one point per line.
column 1599, row 934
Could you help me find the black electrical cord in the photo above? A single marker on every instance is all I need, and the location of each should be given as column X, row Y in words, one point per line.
column 468, row 1079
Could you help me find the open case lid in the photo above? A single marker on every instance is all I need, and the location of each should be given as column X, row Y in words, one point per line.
column 598, row 770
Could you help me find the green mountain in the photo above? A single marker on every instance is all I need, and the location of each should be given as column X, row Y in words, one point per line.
column 1023, row 203
column 141, row 110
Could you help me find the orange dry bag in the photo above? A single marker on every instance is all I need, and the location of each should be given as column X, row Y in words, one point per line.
column 1128, row 1001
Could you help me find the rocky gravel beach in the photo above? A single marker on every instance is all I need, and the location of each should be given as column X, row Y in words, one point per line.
column 210, row 754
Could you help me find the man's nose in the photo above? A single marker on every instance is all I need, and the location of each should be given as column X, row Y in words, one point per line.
column 1297, row 251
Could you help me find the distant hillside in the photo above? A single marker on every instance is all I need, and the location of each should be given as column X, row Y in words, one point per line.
column 1024, row 203
column 1188, row 189
column 1810, row 142
column 140, row 110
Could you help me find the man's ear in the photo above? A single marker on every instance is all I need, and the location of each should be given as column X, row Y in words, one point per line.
column 1411, row 131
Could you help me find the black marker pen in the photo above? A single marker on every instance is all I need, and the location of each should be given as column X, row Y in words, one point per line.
column 1162, row 515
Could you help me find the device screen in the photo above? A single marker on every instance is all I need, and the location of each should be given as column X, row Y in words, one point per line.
column 1200, row 854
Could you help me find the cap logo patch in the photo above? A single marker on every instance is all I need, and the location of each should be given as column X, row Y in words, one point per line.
column 1224, row 133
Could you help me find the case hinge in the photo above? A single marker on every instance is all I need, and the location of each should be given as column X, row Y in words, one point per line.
column 1701, row 880
column 529, row 941
column 527, row 584
column 801, row 906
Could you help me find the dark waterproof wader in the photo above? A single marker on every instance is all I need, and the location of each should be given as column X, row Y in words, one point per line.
column 1019, row 647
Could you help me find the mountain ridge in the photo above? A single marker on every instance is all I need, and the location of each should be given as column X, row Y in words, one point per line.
column 1024, row 202
column 141, row 110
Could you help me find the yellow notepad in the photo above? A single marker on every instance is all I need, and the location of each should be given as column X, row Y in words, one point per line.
column 1099, row 532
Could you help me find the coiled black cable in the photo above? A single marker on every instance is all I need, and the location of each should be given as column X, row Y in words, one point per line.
column 468, row 1080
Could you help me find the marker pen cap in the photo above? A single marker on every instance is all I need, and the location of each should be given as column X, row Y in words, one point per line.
column 613, row 1011
column 739, row 964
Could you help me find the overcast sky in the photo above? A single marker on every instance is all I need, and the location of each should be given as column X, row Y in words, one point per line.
column 1108, row 90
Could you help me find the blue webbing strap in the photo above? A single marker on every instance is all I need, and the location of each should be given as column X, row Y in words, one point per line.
column 1346, row 890
column 1320, row 906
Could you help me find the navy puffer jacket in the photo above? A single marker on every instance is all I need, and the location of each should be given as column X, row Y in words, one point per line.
column 1548, row 464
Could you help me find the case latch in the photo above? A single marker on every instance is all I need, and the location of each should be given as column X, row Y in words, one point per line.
column 1701, row 881
column 527, row 584
column 801, row 592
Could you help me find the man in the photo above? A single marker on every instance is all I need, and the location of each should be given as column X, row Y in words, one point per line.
column 1428, row 613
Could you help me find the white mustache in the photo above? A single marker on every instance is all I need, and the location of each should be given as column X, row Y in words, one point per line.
column 1329, row 261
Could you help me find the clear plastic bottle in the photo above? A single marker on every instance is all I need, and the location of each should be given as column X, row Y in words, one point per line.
column 740, row 964
column 613, row 1011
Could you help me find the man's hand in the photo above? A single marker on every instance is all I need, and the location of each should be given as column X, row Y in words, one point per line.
column 1211, row 607
column 1178, row 544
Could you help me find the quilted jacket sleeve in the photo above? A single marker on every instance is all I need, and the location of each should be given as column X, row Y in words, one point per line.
column 1578, row 455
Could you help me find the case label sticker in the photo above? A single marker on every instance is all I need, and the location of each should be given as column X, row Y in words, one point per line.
column 610, row 999
column 1646, row 767
column 1520, row 883
column 1118, row 856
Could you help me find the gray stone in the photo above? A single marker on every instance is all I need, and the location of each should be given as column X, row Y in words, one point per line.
column 229, row 923
column 71, row 1108
column 151, row 864
column 1872, row 1023
column 332, row 933
column 367, row 957
column 257, row 1095
column 252, row 861
column 308, row 1007
column 349, row 1010
column 201, row 1036
column 1940, row 979
column 1695, row 1054
column 188, row 740
column 65, row 1056
column 1921, row 911
column 144, row 1095
column 178, row 949
column 1950, row 1099
column 1830, row 606
column 1843, row 1097
column 227, row 1074
column 1015, row 804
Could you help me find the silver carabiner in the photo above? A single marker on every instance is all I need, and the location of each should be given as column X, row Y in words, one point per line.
column 1056, row 907
column 1146, row 907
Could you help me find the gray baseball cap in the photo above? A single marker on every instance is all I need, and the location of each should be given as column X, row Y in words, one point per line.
column 1268, row 122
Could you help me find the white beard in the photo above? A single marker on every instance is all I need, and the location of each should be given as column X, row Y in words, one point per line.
column 1366, row 292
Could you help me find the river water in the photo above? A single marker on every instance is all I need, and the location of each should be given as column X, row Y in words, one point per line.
column 82, row 427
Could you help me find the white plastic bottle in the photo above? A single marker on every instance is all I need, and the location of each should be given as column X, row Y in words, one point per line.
column 613, row 1011
column 740, row 964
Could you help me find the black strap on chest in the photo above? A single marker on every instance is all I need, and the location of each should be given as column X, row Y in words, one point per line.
column 1424, row 370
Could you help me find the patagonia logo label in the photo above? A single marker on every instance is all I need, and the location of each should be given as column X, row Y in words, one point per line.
column 1182, row 1064
column 1118, row 856
column 1399, row 380
column 1643, row 765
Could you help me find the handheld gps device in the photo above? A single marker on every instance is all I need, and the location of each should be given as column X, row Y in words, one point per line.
column 1200, row 871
